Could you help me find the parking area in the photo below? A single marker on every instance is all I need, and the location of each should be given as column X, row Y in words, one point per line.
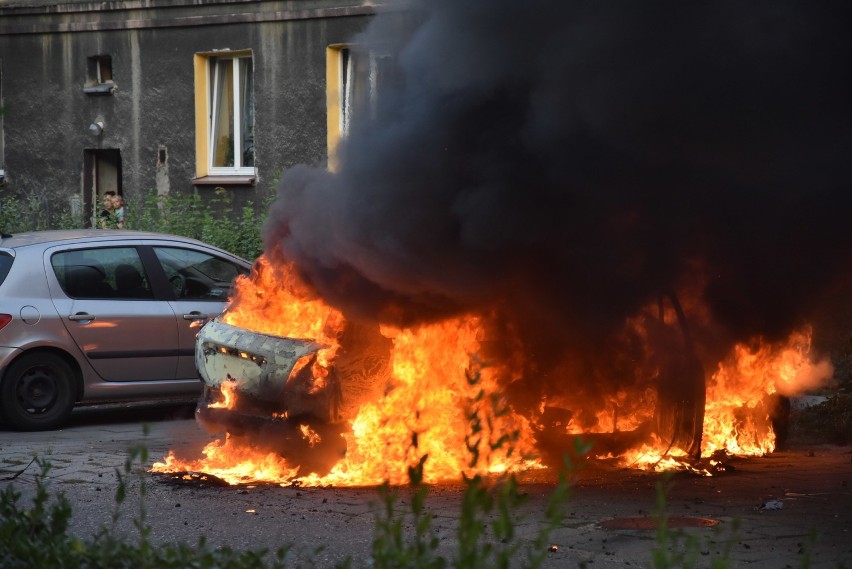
column 789, row 509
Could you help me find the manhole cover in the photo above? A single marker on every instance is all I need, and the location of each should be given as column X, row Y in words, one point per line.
column 652, row 523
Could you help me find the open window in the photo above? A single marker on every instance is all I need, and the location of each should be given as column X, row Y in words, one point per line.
column 99, row 75
column 356, row 80
column 224, row 117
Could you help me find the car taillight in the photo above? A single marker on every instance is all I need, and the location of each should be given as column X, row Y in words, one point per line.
column 5, row 319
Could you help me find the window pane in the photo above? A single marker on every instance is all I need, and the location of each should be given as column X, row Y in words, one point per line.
column 345, row 90
column 5, row 264
column 364, row 76
column 384, row 78
column 223, row 113
column 247, row 111
column 130, row 282
column 196, row 275
column 114, row 272
column 358, row 85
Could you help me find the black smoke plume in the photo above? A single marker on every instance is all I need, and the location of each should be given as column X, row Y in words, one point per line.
column 560, row 164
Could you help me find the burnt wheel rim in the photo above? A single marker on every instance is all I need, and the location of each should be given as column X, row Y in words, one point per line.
column 37, row 390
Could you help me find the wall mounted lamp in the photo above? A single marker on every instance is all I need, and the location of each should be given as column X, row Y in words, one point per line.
column 97, row 127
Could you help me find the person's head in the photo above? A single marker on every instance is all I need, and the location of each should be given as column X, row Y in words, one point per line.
column 107, row 200
column 117, row 201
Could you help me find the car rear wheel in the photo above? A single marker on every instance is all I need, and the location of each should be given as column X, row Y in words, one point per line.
column 37, row 392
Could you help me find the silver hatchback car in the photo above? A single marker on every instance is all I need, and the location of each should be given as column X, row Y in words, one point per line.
column 102, row 315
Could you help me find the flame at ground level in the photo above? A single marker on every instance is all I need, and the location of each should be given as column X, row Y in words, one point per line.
column 438, row 405
column 440, row 402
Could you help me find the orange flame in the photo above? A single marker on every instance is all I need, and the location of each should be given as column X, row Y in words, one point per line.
column 229, row 396
column 740, row 402
column 274, row 301
column 441, row 402
column 436, row 388
column 310, row 435
column 434, row 395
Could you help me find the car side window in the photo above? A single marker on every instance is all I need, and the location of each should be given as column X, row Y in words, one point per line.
column 5, row 264
column 110, row 272
column 198, row 276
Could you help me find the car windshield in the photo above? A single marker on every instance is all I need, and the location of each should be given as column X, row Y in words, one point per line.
column 5, row 264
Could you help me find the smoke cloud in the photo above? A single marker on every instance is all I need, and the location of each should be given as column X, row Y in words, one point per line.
column 558, row 164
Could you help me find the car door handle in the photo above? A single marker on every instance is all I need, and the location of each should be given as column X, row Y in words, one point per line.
column 195, row 315
column 81, row 316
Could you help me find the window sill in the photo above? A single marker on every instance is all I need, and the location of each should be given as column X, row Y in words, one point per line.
column 246, row 180
column 100, row 89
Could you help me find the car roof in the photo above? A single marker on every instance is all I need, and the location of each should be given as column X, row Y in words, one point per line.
column 65, row 236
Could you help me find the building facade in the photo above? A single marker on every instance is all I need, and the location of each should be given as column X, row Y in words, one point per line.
column 162, row 97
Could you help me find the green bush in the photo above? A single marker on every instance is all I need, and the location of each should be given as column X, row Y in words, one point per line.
column 37, row 537
column 490, row 509
column 829, row 422
column 216, row 221
column 33, row 214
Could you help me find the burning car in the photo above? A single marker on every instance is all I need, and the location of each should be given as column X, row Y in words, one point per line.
column 304, row 395
column 297, row 396
column 281, row 394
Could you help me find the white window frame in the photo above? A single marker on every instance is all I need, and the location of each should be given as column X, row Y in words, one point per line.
column 238, row 60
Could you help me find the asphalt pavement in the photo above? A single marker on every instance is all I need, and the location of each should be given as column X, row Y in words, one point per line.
column 788, row 509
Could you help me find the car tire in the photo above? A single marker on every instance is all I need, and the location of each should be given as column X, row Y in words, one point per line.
column 37, row 392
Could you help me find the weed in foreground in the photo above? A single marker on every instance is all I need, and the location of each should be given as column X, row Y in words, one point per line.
column 487, row 532
column 39, row 536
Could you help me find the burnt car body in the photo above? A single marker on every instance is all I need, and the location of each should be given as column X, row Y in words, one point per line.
column 268, row 390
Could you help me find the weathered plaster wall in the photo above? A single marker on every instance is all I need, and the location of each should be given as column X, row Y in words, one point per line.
column 150, row 115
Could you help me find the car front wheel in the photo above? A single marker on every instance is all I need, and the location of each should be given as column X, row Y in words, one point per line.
column 37, row 392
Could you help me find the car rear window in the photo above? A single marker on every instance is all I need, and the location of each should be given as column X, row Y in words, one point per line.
column 108, row 272
column 5, row 264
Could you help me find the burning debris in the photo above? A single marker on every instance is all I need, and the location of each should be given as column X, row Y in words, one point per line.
column 617, row 228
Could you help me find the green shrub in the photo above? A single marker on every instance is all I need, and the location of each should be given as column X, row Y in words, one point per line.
column 216, row 221
column 37, row 537
column 480, row 540
column 828, row 422
column 33, row 214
